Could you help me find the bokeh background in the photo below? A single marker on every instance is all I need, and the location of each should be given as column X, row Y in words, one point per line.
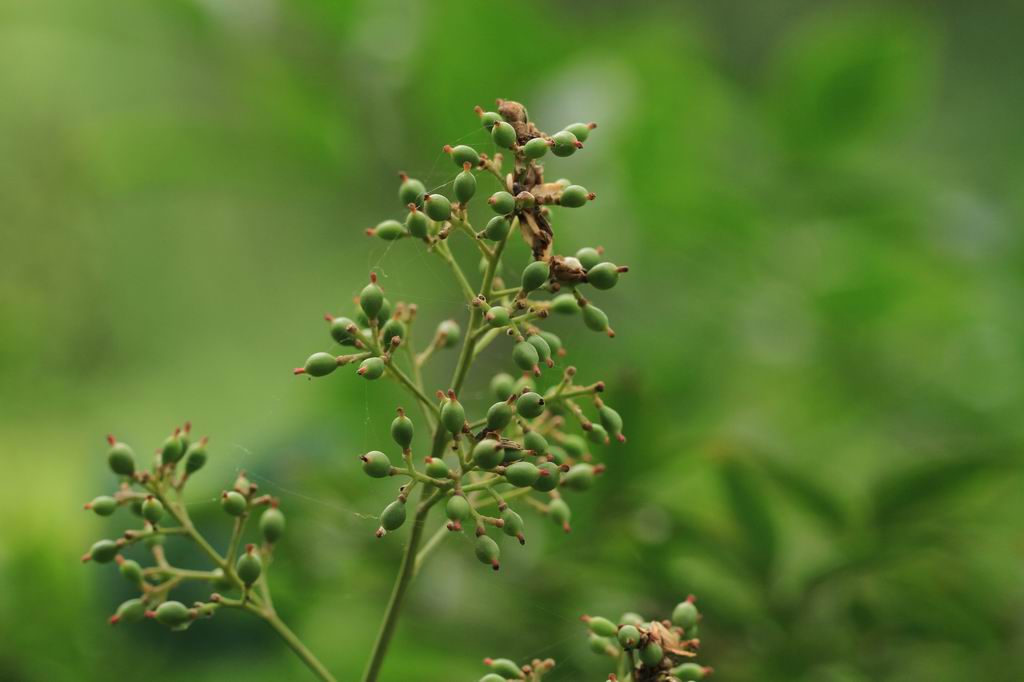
column 819, row 354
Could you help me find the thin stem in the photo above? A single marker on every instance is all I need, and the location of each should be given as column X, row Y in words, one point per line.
column 442, row 250
column 404, row 379
column 295, row 644
column 433, row 543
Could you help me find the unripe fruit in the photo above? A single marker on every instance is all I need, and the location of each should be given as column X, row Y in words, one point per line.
column 416, row 224
column 629, row 636
column 497, row 228
column 603, row 275
column 560, row 513
column 601, row 627
column 685, row 615
column 488, row 118
column 453, row 415
column 690, row 671
column 597, row 434
column 652, row 654
column 487, row 454
column 534, row 275
column 249, row 566
column 152, row 509
column 104, row 505
column 693, row 632
column 376, row 464
column 536, row 148
column 120, row 458
column 402, row 430
column 533, row 440
column 464, row 186
column 503, row 134
column 612, row 421
column 392, row 328
column 502, row 203
column 233, row 502
column 565, row 304
column 389, row 230
column 579, row 477
column 491, row 677
column 340, row 330
column 514, row 525
column 530, row 405
column 436, row 468
column 463, row 154
column 172, row 449
column 581, row 130
column 575, row 445
column 487, row 551
column 600, row 645
column 522, row 474
column 525, row 356
column 272, row 524
column 437, row 207
column 588, row 257
column 319, row 365
column 497, row 316
column 498, row 416
column 172, row 614
column 595, row 318
column 503, row 385
column 371, row 299
column 457, row 508
column 371, row 368
column 448, row 333
column 393, row 515
column 565, row 143
column 557, row 454
column 575, row 196
column 543, row 349
column 411, row 192
column 103, row 551
column 506, row 668
column 549, row 477
column 131, row 611
column 195, row 457
column 131, row 570
column 553, row 341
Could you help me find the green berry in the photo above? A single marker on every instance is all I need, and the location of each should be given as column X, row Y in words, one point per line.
column 503, row 385
column 172, row 449
column 319, row 365
column 448, row 333
column 497, row 228
column 575, row 196
column 464, row 186
column 575, row 445
column 530, row 405
column 411, row 192
column 491, row 677
column 525, row 356
column 581, row 130
column 249, row 566
column 487, row 454
column 693, row 632
column 522, row 474
column 392, row 328
column 579, row 477
column 685, row 615
column 487, row 551
column 651, row 654
column 514, row 525
column 389, row 230
column 402, row 430
column 597, row 434
column 629, row 636
column 453, row 415
column 536, row 148
column 371, row 368
column 104, row 505
column 436, row 468
column 560, row 513
column 457, row 508
column 371, row 298
column 131, row 571
column 565, row 304
column 340, row 330
column 503, row 134
column 690, row 672
column 195, row 457
column 173, row 614
column 564, row 143
column 554, row 343
column 549, row 477
column 557, row 454
column 612, row 421
column 498, row 416
column 272, row 524
column 152, row 509
column 632, row 618
column 602, row 627
column 603, row 275
column 416, row 223
column 120, row 458
column 463, row 154
column 488, row 118
column 533, row 440
column 497, row 316
column 437, row 207
column 502, row 203
column 131, row 611
column 601, row 645
column 595, row 318
column 376, row 464
column 535, row 275
column 233, row 502
column 393, row 515
column 588, row 257
column 103, row 551
column 507, row 669
column 543, row 349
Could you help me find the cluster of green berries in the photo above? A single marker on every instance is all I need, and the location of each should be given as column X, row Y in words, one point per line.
column 655, row 651
column 502, row 669
column 153, row 494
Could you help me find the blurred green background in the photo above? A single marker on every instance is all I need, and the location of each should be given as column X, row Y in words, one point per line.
column 819, row 355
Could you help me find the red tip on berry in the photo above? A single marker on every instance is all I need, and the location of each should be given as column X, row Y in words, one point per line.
column 487, row 661
column 381, row 532
column 495, row 565
column 188, row 427
column 566, row 527
column 150, row 614
column 447, row 149
column 591, row 125
column 467, row 166
column 451, row 396
column 373, row 277
column 250, row 548
column 599, row 468
column 86, row 557
column 113, row 620
column 370, row 232
column 111, row 440
column 87, row 505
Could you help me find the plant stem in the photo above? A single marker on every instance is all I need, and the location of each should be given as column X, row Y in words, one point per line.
column 296, row 645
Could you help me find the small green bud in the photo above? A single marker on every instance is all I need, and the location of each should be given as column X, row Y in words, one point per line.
column 497, row 228
column 131, row 611
column 371, row 298
column 549, row 477
column 603, row 275
column 195, row 457
column 402, row 430
column 173, row 448
column 502, row 203
column 690, row 671
column 233, row 502
column 503, row 134
column 522, row 474
column 526, row 357
column 601, row 645
column 554, row 343
column 612, row 422
column 575, row 445
column 318, row 365
column 487, row 551
column 588, row 257
column 411, row 191
column 457, row 510
column 340, row 330
column 685, row 615
column 565, row 304
column 488, row 118
column 503, row 385
column 272, row 524
column 388, row 230
column 530, row 405
column 536, row 148
column 392, row 328
column 436, row 468
column 632, row 618
column 491, row 677
column 463, row 154
column 629, row 636
column 131, row 571
column 497, row 316
column 392, row 517
column 560, row 513
column 581, row 130
column 102, row 551
column 533, row 440
column 173, row 614
column 514, row 525
column 437, row 207
column 376, row 464
column 464, row 186
column 152, row 509
column 579, row 477
column 416, row 223
column 498, row 416
column 535, row 275
column 371, row 368
column 120, row 458
column 249, row 566
column 651, row 654
column 453, row 415
column 104, row 505
column 575, row 196
column 448, row 333
column 557, row 453
column 543, row 349
column 487, row 454
column 565, row 144
column 597, row 434
column 507, row 669
column 602, row 627
column 596, row 320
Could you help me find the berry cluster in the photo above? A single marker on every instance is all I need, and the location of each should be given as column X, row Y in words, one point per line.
column 506, row 669
column 651, row 651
